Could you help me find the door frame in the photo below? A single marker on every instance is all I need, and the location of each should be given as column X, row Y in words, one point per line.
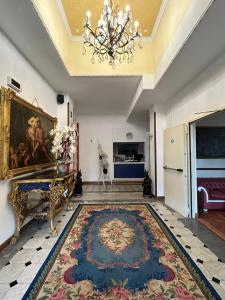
column 193, row 171
column 192, row 186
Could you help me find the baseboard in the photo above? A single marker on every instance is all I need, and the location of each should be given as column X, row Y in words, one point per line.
column 95, row 183
column 5, row 244
column 135, row 182
column 114, row 182
column 161, row 198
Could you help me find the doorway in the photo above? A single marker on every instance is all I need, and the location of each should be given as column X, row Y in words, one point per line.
column 207, row 164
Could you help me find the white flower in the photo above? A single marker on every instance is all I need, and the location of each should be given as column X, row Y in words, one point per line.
column 63, row 150
column 72, row 149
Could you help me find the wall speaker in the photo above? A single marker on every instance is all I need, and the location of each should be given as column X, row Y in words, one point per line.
column 60, row 99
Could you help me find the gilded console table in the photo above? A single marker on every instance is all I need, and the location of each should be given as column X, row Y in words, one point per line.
column 53, row 190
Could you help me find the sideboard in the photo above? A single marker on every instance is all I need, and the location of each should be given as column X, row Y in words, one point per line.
column 42, row 196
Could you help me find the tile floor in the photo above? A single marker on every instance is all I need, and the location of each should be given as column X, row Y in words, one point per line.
column 20, row 267
column 210, row 240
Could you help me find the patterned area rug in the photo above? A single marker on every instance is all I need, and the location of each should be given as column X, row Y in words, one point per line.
column 118, row 252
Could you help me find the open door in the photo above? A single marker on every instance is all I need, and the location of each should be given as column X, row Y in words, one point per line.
column 176, row 168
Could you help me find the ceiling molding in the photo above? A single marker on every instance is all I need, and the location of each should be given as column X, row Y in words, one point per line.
column 159, row 19
column 79, row 38
column 64, row 17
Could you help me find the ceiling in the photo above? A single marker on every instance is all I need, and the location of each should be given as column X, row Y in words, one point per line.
column 205, row 46
column 105, row 95
column 101, row 95
column 145, row 11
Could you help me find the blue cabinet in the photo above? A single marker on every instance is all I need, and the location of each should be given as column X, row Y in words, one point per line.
column 129, row 170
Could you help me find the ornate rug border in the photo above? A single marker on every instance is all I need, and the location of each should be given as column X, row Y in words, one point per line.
column 203, row 283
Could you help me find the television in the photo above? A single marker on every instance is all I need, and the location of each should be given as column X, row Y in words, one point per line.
column 210, row 142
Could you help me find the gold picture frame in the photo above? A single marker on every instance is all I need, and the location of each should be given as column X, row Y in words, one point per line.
column 24, row 136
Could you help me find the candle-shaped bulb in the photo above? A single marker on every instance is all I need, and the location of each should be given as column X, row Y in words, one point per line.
column 127, row 9
column 88, row 14
column 136, row 24
column 120, row 14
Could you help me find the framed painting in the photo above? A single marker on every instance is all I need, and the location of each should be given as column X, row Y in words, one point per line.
column 25, row 142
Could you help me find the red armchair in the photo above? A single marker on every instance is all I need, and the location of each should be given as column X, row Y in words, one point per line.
column 211, row 193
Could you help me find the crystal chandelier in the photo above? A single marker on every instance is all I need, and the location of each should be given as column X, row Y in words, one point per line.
column 114, row 38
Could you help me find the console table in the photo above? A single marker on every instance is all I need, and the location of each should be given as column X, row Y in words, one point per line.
column 53, row 190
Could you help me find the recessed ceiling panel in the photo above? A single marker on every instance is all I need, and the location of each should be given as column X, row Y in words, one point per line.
column 145, row 11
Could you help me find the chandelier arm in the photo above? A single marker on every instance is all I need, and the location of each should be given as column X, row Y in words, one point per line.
column 121, row 53
column 128, row 41
column 113, row 36
column 95, row 48
column 125, row 39
column 121, row 33
column 102, row 44
column 109, row 30
column 101, row 51
column 93, row 34
column 105, row 36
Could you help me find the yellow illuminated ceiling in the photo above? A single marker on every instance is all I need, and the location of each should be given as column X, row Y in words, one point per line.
column 145, row 11
column 147, row 61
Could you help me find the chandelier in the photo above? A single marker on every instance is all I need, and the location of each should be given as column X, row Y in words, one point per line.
column 114, row 38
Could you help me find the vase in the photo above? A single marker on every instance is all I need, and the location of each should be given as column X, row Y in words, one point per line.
column 61, row 168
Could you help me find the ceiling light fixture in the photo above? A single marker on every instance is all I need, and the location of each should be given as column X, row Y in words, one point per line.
column 114, row 38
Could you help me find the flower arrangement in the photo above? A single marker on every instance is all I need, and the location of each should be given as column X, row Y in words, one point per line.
column 64, row 143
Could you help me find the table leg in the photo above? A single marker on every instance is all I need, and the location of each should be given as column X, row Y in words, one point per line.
column 56, row 193
column 69, row 185
column 51, row 224
column 18, row 201
column 19, row 223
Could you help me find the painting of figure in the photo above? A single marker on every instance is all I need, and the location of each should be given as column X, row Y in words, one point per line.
column 30, row 142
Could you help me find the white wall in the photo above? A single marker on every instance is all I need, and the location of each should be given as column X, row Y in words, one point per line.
column 210, row 163
column 160, row 126
column 105, row 130
column 62, row 111
column 13, row 64
column 152, row 149
column 204, row 93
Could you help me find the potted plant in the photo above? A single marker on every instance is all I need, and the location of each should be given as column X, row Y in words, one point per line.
column 147, row 186
column 78, row 190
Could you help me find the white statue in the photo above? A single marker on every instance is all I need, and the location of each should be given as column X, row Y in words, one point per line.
column 103, row 166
